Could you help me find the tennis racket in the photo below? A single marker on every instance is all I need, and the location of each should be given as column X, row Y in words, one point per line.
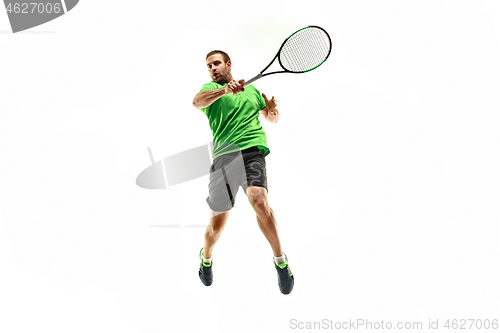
column 305, row 50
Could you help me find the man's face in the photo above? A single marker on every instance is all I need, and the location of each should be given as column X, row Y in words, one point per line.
column 219, row 71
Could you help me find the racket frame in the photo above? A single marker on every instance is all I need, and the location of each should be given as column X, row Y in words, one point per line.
column 260, row 75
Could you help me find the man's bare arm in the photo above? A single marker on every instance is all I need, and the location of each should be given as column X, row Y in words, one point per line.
column 207, row 97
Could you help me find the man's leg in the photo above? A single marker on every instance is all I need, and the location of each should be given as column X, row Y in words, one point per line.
column 267, row 223
column 212, row 233
column 222, row 191
column 265, row 217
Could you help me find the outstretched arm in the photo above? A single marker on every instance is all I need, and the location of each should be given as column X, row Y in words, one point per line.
column 207, row 97
column 270, row 113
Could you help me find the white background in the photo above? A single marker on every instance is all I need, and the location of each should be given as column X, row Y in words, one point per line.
column 383, row 172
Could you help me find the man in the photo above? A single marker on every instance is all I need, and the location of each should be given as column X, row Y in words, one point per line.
column 240, row 147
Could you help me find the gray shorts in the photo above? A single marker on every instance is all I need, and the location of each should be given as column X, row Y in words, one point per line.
column 230, row 171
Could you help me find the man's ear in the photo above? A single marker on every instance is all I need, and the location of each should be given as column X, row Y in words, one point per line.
column 228, row 64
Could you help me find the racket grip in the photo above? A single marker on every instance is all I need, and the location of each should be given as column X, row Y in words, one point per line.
column 253, row 79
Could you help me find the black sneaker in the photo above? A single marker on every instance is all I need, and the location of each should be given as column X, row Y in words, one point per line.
column 205, row 271
column 285, row 277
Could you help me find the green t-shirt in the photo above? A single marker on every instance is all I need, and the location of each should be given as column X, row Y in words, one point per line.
column 234, row 120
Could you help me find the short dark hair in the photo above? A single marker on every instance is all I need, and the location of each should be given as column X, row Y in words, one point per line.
column 225, row 56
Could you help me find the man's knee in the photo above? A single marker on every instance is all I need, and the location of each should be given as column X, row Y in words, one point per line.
column 257, row 198
column 259, row 204
column 217, row 221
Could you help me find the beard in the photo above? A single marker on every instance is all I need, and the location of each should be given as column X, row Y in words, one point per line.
column 222, row 77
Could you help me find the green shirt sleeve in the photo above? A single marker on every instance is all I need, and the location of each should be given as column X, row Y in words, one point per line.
column 208, row 86
column 262, row 103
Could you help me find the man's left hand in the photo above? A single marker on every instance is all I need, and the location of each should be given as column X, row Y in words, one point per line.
column 270, row 112
column 271, row 104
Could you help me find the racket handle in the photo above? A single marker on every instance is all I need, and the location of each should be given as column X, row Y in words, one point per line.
column 253, row 79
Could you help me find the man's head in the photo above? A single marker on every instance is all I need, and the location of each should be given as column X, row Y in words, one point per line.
column 219, row 66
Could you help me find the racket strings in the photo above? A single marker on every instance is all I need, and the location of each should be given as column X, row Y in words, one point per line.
column 305, row 50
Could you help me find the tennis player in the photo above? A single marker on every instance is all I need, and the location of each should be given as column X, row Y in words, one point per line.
column 240, row 147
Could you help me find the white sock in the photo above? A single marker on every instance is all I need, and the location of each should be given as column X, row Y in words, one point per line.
column 207, row 261
column 279, row 260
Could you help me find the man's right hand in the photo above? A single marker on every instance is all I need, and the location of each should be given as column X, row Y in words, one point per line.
column 235, row 86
